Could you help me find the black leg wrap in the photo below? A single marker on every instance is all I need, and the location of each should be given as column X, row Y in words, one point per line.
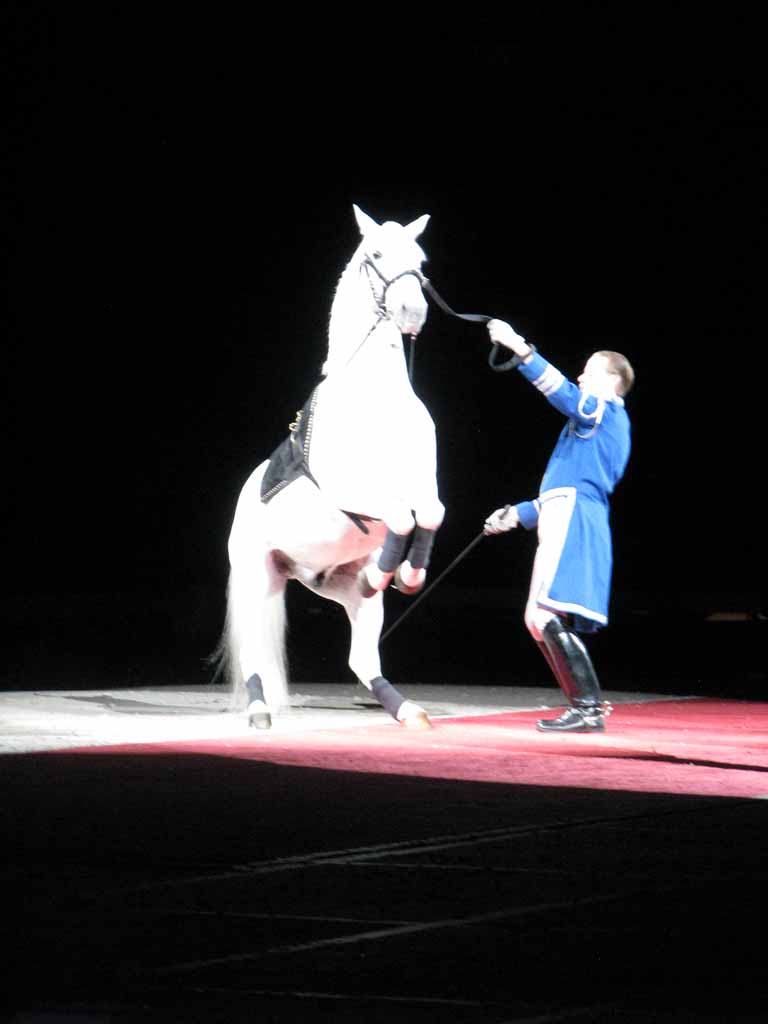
column 421, row 547
column 257, row 719
column 254, row 689
column 573, row 666
column 387, row 695
column 392, row 552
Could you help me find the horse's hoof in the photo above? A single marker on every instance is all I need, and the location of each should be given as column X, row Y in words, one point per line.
column 404, row 588
column 372, row 580
column 259, row 716
column 413, row 717
column 262, row 721
column 420, row 721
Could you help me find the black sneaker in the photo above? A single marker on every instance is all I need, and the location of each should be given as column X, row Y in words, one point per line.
column 575, row 720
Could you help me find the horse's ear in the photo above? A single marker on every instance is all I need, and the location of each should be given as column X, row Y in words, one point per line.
column 415, row 228
column 364, row 222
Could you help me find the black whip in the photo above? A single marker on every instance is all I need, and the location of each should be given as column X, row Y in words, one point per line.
column 473, row 318
column 462, row 555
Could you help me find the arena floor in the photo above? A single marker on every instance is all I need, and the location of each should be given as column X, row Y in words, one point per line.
column 165, row 863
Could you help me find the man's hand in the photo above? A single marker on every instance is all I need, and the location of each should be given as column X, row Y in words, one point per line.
column 501, row 520
column 503, row 334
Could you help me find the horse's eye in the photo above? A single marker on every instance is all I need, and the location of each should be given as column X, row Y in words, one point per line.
column 376, row 255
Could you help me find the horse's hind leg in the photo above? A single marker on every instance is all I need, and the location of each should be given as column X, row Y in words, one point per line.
column 255, row 626
column 366, row 617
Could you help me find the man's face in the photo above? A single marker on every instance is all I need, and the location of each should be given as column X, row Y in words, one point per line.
column 597, row 379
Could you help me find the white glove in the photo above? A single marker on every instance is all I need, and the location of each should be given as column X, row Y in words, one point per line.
column 501, row 520
column 503, row 334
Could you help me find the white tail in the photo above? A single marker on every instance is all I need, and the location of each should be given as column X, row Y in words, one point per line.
column 253, row 639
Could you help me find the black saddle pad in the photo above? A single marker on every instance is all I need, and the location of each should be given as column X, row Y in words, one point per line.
column 290, row 459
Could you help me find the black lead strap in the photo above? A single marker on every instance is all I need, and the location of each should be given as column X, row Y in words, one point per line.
column 510, row 364
column 474, row 318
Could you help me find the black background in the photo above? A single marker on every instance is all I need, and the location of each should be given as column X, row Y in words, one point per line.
column 179, row 197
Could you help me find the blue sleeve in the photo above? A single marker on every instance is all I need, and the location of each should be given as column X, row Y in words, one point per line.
column 528, row 514
column 562, row 393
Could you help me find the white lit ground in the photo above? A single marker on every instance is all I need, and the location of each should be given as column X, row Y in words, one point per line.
column 61, row 719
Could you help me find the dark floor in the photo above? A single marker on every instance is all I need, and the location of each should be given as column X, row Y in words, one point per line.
column 195, row 888
column 191, row 888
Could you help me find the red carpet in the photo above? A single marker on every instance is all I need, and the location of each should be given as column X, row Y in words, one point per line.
column 701, row 747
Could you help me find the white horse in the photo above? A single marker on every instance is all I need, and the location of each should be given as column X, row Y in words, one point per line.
column 348, row 504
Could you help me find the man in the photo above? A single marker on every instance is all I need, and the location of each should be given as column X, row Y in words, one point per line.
column 570, row 582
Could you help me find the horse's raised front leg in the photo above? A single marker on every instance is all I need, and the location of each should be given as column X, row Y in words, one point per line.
column 366, row 617
column 377, row 575
column 406, row 551
column 412, row 571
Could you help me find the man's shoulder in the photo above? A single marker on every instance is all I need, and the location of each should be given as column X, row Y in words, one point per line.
column 617, row 407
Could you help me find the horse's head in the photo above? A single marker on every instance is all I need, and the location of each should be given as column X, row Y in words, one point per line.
column 392, row 259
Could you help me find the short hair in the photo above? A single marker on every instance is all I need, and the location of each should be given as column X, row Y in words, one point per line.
column 621, row 366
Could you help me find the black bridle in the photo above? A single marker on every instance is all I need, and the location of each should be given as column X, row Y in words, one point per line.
column 381, row 304
column 381, row 300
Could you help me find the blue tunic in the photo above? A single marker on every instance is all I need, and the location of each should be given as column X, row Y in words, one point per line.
column 588, row 461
